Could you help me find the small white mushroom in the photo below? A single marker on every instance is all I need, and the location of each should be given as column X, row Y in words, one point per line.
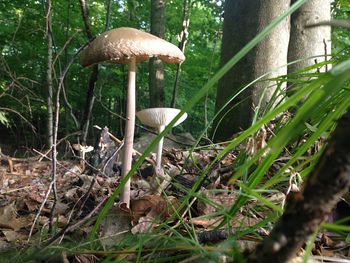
column 158, row 118
column 82, row 151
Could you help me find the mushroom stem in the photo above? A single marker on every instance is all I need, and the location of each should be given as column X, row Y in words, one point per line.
column 129, row 130
column 159, row 149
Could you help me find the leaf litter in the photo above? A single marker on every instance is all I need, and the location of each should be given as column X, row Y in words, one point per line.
column 156, row 195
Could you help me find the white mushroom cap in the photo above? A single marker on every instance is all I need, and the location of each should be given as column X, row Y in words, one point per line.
column 82, row 148
column 157, row 117
column 120, row 44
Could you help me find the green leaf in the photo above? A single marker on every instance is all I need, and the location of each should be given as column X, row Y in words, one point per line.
column 3, row 119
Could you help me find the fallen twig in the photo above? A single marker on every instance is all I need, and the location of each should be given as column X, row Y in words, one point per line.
column 115, row 139
column 39, row 211
column 69, row 228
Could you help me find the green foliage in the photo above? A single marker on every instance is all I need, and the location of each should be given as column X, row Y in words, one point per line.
column 23, row 49
column 23, row 59
column 3, row 119
column 340, row 36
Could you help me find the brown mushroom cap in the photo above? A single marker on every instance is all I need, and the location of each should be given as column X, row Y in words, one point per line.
column 120, row 44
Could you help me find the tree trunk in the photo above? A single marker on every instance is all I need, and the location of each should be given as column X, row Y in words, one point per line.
column 156, row 67
column 89, row 103
column 307, row 42
column 306, row 210
column 108, row 14
column 242, row 21
column 90, row 97
column 68, row 111
column 182, row 45
column 49, row 87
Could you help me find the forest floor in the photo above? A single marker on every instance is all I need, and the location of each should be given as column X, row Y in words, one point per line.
column 26, row 206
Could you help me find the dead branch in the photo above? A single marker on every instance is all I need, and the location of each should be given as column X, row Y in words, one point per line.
column 21, row 116
column 183, row 40
column 334, row 23
column 71, row 228
column 39, row 211
column 119, row 142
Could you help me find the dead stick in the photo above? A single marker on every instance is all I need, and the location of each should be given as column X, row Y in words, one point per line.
column 334, row 23
column 115, row 139
column 40, row 209
column 69, row 228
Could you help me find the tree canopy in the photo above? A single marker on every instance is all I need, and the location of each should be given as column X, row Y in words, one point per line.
column 24, row 55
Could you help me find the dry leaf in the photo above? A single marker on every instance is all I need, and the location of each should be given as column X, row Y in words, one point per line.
column 31, row 205
column 116, row 223
column 225, row 199
column 142, row 206
column 8, row 217
column 204, row 222
column 13, row 236
column 145, row 224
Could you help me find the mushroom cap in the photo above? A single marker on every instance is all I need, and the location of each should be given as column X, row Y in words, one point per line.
column 120, row 44
column 156, row 117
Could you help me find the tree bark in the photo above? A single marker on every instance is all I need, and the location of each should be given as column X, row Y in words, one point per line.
column 85, row 14
column 156, row 67
column 49, row 88
column 89, row 103
column 182, row 45
column 108, row 15
column 307, row 42
column 242, row 21
column 68, row 107
column 90, row 97
column 306, row 210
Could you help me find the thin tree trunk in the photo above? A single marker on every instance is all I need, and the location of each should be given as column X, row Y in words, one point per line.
column 85, row 14
column 156, row 67
column 65, row 83
column 68, row 106
column 243, row 20
column 52, row 122
column 218, row 36
column 182, row 45
column 89, row 103
column 49, row 87
column 90, row 97
column 306, row 210
column 108, row 15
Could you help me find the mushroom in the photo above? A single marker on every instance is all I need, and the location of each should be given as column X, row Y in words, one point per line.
column 82, row 151
column 129, row 46
column 158, row 118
